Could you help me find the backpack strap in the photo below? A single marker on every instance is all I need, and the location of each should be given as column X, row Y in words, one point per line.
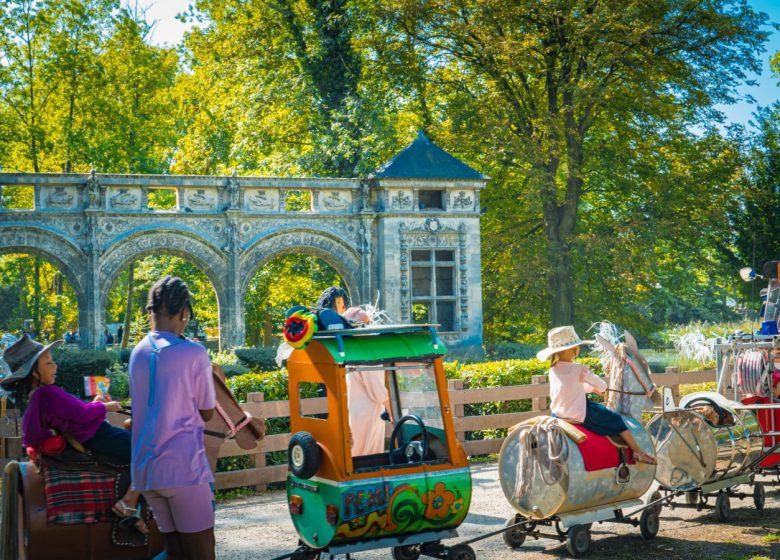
column 153, row 365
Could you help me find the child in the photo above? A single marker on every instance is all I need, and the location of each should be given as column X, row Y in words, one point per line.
column 367, row 398
column 173, row 397
column 49, row 409
column 569, row 382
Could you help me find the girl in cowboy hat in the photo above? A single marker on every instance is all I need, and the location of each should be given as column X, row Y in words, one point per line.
column 569, row 383
column 49, row 410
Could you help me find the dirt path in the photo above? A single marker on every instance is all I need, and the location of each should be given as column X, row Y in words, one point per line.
column 260, row 528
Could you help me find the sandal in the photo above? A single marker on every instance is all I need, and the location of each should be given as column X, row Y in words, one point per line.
column 130, row 517
column 642, row 457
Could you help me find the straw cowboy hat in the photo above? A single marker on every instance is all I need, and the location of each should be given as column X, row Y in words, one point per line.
column 21, row 357
column 558, row 339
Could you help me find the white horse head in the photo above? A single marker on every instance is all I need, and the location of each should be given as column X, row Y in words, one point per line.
column 631, row 390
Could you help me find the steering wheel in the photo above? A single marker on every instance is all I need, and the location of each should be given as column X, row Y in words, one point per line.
column 413, row 451
column 715, row 406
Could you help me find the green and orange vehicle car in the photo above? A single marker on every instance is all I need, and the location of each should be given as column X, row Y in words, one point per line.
column 409, row 497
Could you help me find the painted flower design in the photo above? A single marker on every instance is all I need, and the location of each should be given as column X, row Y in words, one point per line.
column 457, row 505
column 438, row 501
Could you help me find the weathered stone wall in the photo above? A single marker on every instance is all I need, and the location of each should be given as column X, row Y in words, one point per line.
column 93, row 226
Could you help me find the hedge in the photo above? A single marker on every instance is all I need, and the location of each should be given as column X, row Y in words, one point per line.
column 73, row 365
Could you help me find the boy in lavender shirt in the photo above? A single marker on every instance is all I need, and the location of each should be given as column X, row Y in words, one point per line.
column 173, row 396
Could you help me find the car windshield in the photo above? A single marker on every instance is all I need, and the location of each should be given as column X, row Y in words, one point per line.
column 416, row 393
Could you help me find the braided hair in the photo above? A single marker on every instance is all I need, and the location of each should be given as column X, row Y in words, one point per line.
column 328, row 298
column 169, row 295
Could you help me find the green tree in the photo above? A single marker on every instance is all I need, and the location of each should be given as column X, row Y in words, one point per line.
column 546, row 74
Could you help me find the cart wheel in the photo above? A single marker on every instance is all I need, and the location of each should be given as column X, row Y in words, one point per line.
column 759, row 495
column 461, row 552
column 649, row 523
column 659, row 506
column 578, row 540
column 514, row 537
column 722, row 506
column 305, row 555
column 408, row 552
column 303, row 455
column 692, row 497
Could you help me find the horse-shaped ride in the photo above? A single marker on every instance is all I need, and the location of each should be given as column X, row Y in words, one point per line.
column 557, row 473
column 27, row 535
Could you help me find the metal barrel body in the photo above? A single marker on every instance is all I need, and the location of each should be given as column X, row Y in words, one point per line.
column 692, row 451
column 575, row 488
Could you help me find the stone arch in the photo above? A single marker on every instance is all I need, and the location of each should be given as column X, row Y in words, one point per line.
column 344, row 259
column 143, row 242
column 60, row 251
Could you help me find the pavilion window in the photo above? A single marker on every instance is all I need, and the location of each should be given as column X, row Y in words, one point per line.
column 431, row 200
column 433, row 287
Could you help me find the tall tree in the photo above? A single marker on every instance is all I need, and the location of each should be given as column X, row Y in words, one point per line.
column 552, row 71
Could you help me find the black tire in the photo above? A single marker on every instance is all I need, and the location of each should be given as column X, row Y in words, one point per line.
column 692, row 497
column 759, row 496
column 514, row 537
column 303, row 455
column 649, row 523
column 578, row 541
column 9, row 539
column 723, row 506
column 408, row 552
column 461, row 552
column 659, row 506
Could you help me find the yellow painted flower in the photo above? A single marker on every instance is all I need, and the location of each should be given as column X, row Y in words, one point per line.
column 438, row 501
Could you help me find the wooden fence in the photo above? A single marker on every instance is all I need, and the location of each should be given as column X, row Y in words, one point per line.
column 538, row 391
column 261, row 474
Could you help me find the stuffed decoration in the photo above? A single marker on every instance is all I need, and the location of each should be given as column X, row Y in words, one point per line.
column 300, row 326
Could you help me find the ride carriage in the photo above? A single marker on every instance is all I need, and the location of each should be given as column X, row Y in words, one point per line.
column 560, row 476
column 411, row 495
column 40, row 523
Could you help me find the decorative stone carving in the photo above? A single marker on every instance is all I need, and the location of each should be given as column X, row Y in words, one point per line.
column 125, row 200
column 261, row 200
column 59, row 198
column 201, row 200
column 233, row 191
column 400, row 200
column 94, row 191
column 463, row 202
column 335, row 202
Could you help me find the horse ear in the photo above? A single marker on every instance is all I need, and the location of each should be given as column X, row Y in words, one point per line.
column 606, row 344
column 631, row 342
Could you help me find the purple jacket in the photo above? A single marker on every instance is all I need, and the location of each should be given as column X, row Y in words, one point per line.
column 52, row 408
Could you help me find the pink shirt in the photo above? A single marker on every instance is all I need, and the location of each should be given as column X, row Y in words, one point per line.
column 168, row 447
column 569, row 382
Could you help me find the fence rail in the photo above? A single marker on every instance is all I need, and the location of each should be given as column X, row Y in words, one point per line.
column 537, row 392
column 262, row 474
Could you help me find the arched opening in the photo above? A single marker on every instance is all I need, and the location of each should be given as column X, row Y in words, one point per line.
column 126, row 320
column 37, row 297
column 284, row 281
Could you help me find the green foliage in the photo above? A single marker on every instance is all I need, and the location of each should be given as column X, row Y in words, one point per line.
column 120, row 381
column 272, row 383
column 510, row 350
column 258, row 359
column 73, row 365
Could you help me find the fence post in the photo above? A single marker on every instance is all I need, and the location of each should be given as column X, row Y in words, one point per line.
column 458, row 410
column 538, row 404
column 258, row 459
column 676, row 386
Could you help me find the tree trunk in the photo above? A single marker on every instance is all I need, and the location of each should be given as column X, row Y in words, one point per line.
column 561, row 284
column 128, row 306
column 268, row 334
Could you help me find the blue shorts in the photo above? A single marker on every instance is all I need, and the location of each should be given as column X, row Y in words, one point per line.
column 603, row 421
column 110, row 440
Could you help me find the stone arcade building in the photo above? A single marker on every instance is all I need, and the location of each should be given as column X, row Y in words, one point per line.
column 410, row 231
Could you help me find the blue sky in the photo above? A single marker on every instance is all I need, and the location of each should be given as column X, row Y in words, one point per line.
column 169, row 30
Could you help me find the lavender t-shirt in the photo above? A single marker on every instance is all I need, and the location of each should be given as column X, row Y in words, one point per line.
column 168, row 448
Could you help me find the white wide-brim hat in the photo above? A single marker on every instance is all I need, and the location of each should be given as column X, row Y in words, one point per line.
column 558, row 339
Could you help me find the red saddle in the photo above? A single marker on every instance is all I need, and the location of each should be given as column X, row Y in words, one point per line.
column 598, row 452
